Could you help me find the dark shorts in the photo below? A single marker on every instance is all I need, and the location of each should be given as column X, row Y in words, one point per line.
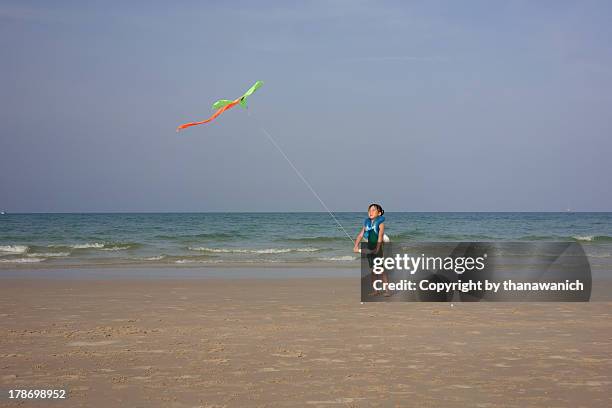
column 371, row 257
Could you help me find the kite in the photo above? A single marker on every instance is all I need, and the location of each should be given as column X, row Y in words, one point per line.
column 224, row 104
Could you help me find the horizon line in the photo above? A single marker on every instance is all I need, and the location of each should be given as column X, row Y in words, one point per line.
column 296, row 212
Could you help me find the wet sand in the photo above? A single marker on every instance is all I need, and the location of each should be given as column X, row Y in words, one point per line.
column 293, row 342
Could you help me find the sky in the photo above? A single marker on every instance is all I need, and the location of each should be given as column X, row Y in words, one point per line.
column 421, row 106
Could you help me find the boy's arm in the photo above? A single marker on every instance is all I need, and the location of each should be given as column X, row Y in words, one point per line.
column 358, row 240
column 381, row 235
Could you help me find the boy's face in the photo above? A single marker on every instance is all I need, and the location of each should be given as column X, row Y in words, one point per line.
column 373, row 212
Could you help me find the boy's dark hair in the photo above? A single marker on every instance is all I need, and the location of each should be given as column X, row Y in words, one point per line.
column 378, row 207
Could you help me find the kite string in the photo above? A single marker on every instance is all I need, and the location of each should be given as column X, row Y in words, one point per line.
column 299, row 174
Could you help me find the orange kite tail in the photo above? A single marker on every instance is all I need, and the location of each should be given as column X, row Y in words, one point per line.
column 217, row 113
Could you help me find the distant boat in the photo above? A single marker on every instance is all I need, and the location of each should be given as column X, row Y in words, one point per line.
column 2, row 213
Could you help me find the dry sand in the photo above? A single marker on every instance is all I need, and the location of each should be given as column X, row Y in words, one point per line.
column 293, row 342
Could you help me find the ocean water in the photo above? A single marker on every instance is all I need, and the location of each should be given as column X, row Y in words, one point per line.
column 256, row 239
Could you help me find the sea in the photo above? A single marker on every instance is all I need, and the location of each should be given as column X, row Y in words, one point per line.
column 259, row 239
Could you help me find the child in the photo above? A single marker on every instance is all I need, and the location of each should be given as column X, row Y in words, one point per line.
column 373, row 231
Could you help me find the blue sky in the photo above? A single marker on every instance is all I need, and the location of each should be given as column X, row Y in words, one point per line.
column 422, row 106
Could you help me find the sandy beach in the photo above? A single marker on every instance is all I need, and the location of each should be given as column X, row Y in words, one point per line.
column 293, row 342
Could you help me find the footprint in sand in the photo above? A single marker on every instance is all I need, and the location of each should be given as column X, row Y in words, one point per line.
column 92, row 343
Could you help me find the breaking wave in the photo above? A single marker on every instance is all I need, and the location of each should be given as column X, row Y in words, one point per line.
column 104, row 246
column 253, row 251
column 14, row 249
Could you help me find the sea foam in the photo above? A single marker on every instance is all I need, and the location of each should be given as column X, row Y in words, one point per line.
column 79, row 246
column 22, row 260
column 253, row 251
column 49, row 254
column 587, row 238
column 14, row 249
column 339, row 258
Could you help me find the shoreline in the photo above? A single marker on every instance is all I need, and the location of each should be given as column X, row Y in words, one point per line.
column 193, row 265
column 169, row 273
